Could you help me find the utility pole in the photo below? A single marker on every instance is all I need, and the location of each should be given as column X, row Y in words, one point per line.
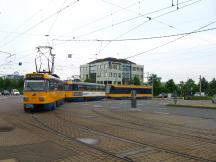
column 152, row 86
column 200, row 85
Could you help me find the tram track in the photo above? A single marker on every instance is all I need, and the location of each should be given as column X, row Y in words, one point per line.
column 143, row 127
column 159, row 126
column 58, row 133
column 38, row 122
column 45, row 127
column 188, row 156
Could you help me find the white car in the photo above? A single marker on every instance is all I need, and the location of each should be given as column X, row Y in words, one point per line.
column 15, row 92
column 214, row 99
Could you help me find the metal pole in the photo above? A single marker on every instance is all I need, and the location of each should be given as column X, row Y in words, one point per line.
column 151, row 84
column 152, row 87
column 200, row 86
column 133, row 99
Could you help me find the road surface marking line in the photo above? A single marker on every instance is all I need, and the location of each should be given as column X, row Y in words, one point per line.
column 158, row 112
column 97, row 106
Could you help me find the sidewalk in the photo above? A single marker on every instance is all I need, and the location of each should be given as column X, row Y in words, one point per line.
column 191, row 103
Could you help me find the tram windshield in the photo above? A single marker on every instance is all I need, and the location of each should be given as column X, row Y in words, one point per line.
column 35, row 85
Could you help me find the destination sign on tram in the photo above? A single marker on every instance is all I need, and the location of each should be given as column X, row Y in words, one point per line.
column 35, row 76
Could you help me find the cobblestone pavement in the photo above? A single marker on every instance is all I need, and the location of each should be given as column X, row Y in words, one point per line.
column 95, row 132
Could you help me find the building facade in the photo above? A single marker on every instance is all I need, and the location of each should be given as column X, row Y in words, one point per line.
column 111, row 71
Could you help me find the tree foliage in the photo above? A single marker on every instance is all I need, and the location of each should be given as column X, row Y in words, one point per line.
column 9, row 84
column 212, row 87
column 135, row 81
column 170, row 86
column 156, row 82
column 187, row 88
column 191, row 87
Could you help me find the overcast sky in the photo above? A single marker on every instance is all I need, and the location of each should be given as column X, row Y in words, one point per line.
column 72, row 27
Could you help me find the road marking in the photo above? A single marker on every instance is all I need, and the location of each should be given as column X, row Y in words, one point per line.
column 121, row 103
column 158, row 112
column 84, row 104
column 114, row 107
column 97, row 106
column 3, row 98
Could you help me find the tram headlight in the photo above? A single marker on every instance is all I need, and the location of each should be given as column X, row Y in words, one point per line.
column 25, row 98
column 41, row 98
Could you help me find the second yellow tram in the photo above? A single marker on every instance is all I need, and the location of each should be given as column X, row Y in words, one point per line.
column 115, row 91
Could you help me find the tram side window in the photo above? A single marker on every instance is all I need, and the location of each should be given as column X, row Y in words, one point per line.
column 74, row 87
column 66, row 87
column 101, row 88
column 149, row 91
column 60, row 86
column 144, row 91
column 89, row 88
column 52, row 85
column 81, row 87
column 93, row 88
column 55, row 85
column 116, row 90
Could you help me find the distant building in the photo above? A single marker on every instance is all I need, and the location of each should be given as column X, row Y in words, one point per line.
column 111, row 71
column 15, row 75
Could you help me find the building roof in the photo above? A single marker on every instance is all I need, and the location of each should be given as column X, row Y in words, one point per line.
column 112, row 60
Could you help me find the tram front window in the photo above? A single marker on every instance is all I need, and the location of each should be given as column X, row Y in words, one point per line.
column 35, row 85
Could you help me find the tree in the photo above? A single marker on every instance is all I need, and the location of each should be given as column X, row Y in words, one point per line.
column 191, row 87
column 170, row 86
column 131, row 81
column 136, row 81
column 1, row 83
column 182, row 89
column 87, row 80
column 212, row 87
column 7, row 83
column 204, row 85
column 156, row 82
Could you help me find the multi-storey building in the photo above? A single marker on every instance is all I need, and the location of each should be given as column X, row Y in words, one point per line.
column 111, row 71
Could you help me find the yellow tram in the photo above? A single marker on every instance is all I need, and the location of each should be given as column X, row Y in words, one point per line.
column 42, row 91
column 124, row 91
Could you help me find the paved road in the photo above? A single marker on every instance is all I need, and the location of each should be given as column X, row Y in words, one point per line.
column 159, row 106
column 14, row 103
column 10, row 104
column 107, row 131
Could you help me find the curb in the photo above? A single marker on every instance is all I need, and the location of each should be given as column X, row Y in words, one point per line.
column 192, row 106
